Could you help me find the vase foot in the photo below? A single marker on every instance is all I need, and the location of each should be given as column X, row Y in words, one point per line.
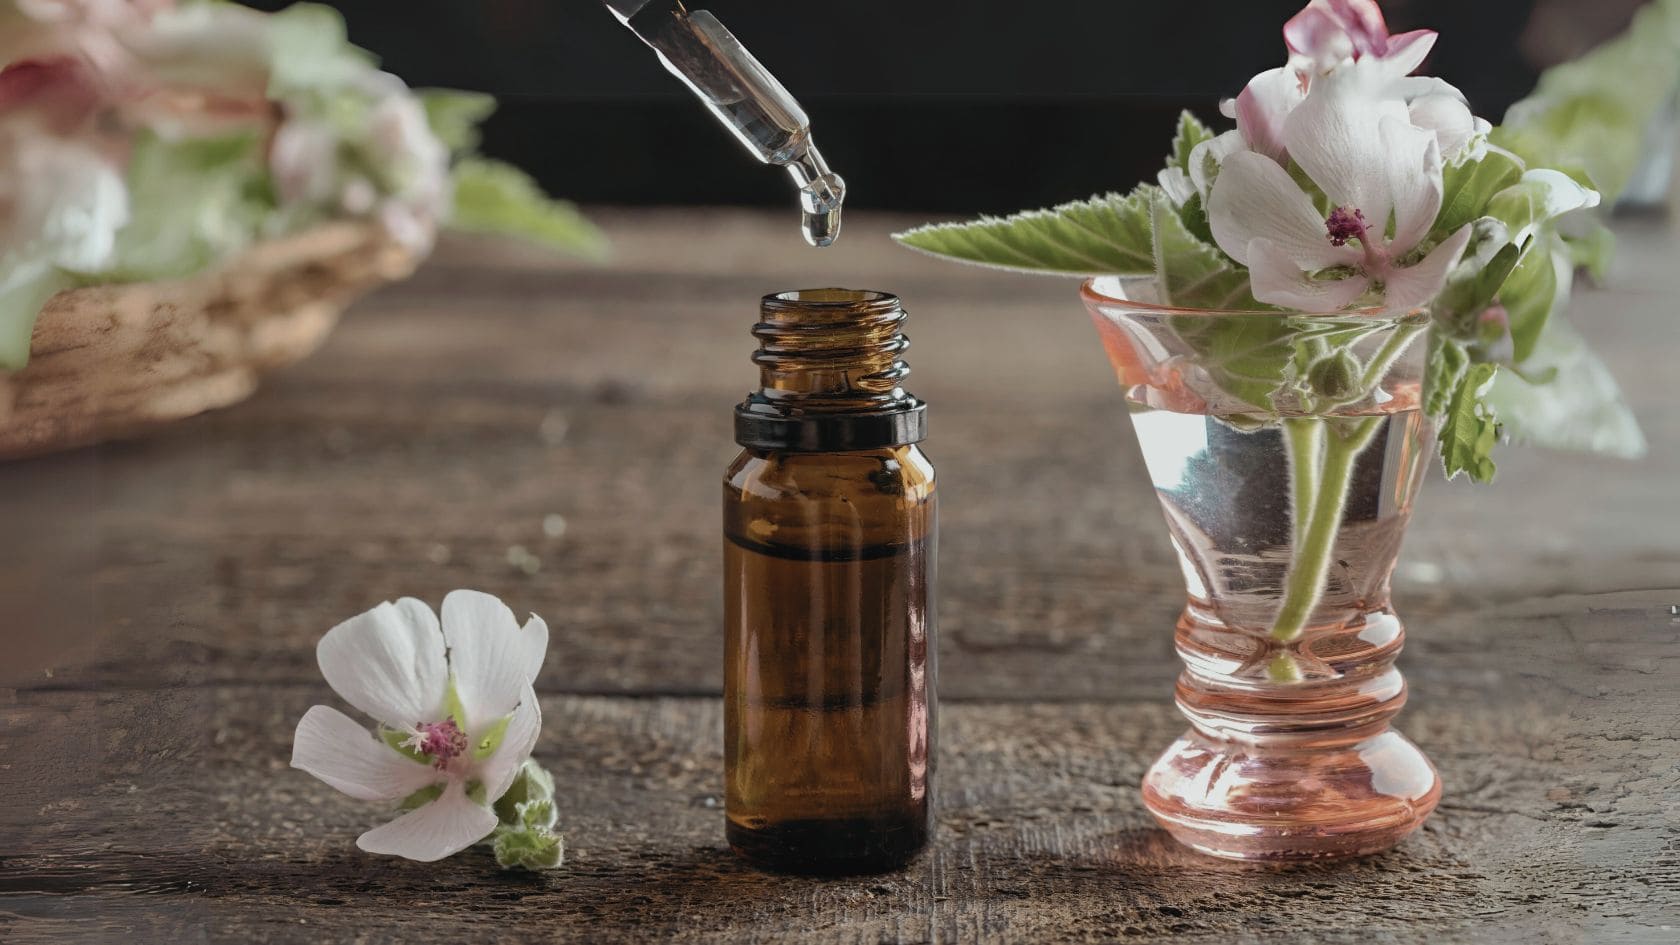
column 1301, row 802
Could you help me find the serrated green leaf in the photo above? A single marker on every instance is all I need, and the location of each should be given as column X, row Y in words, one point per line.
column 1445, row 368
column 1580, row 408
column 1191, row 132
column 1467, row 187
column 1469, row 427
column 1105, row 235
column 1192, row 274
column 528, row 849
column 454, row 116
column 493, row 197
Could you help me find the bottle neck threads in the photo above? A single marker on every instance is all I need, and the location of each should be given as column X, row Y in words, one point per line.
column 830, row 370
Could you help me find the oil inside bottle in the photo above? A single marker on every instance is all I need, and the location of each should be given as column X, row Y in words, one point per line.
column 829, row 709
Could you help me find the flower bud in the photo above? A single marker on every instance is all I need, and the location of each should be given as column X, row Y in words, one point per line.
column 1335, row 376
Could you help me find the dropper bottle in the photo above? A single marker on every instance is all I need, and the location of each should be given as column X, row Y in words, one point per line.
column 745, row 97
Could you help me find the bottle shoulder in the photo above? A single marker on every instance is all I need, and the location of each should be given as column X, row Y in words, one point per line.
column 900, row 473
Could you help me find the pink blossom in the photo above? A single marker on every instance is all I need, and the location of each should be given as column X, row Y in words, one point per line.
column 1328, row 32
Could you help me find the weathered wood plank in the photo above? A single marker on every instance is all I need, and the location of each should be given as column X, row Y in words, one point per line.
column 171, row 813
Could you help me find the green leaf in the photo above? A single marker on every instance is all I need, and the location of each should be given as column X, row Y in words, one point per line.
column 192, row 202
column 525, row 838
column 521, row 849
column 1191, row 132
column 532, row 783
column 1445, row 368
column 1466, row 188
column 1106, row 235
column 1536, row 289
column 1591, row 247
column 493, row 197
column 1540, row 196
column 1250, row 357
column 1580, row 408
column 1469, row 428
column 454, row 116
column 310, row 51
column 1191, row 273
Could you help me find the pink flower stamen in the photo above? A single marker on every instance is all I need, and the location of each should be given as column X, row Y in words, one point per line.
column 442, row 741
column 1345, row 224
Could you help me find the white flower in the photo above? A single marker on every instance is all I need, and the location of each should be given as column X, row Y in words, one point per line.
column 1382, row 176
column 1332, row 35
column 466, row 720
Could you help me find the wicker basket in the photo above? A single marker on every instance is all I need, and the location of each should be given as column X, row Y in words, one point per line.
column 113, row 361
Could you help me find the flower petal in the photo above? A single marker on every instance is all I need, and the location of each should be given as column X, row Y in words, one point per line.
column 499, row 770
column 1206, row 159
column 1253, row 198
column 1262, row 108
column 533, row 641
column 1333, row 134
column 388, row 663
column 1277, row 280
column 1416, row 286
column 434, row 830
column 1407, row 51
column 487, row 657
column 1414, row 179
column 336, row 749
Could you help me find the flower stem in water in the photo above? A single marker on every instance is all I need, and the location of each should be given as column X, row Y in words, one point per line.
column 1343, row 440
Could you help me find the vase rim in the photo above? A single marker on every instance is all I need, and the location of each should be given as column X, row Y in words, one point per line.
column 1092, row 294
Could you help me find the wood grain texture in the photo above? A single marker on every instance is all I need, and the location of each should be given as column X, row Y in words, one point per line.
column 162, row 599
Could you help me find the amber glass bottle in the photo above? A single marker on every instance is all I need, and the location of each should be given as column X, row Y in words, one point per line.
column 829, row 533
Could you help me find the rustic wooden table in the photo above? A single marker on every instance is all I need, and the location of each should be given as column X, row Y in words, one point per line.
column 162, row 599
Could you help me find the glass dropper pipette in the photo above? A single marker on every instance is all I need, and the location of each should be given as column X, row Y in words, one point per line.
column 697, row 49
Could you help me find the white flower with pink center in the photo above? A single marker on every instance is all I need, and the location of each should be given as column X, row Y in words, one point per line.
column 458, row 717
column 1382, row 177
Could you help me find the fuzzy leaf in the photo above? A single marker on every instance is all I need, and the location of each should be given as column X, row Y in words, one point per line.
column 1580, row 408
column 493, row 197
column 1469, row 428
column 1191, row 132
column 454, row 116
column 1191, row 273
column 521, row 849
column 1442, row 373
column 1106, row 235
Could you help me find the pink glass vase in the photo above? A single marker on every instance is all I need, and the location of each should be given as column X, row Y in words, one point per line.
column 1286, row 449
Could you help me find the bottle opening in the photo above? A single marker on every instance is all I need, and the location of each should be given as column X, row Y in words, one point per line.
column 843, row 297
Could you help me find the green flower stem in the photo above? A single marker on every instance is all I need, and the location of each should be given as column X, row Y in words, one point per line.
column 1323, row 514
column 1398, row 341
column 1305, row 437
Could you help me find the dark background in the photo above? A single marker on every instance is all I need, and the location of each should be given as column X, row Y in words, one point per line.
column 923, row 105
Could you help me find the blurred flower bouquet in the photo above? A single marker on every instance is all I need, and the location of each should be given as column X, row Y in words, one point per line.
column 152, row 140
